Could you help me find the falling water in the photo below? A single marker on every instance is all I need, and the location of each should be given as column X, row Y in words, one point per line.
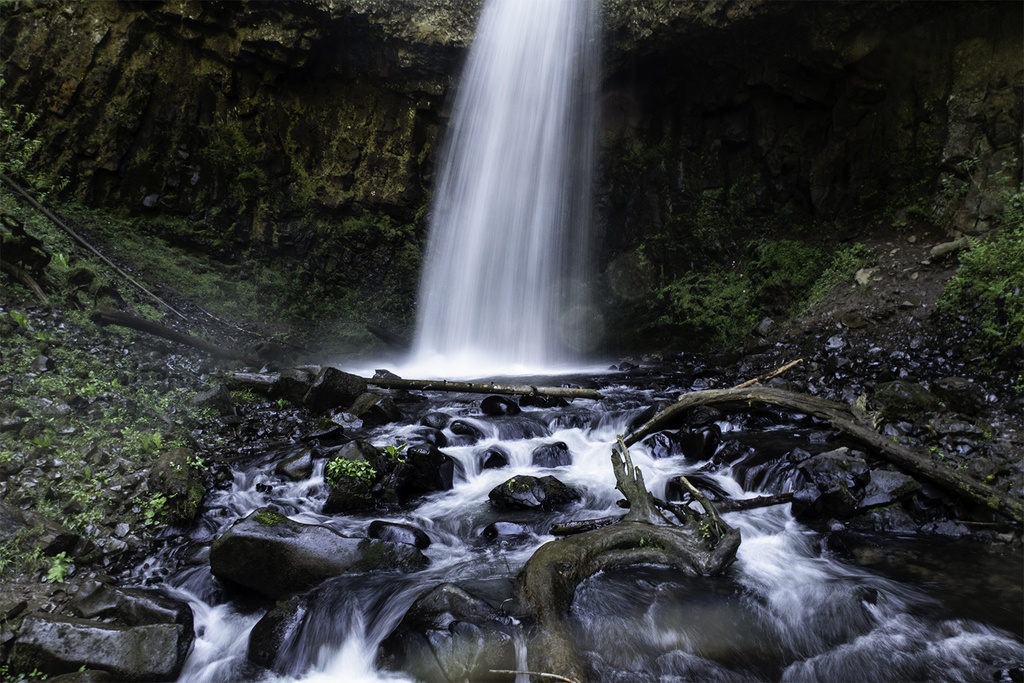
column 502, row 289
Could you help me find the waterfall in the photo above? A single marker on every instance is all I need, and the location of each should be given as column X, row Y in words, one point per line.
column 502, row 289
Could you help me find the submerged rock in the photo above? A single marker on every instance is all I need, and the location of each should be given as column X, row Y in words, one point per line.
column 525, row 491
column 450, row 635
column 274, row 556
column 132, row 634
column 551, row 455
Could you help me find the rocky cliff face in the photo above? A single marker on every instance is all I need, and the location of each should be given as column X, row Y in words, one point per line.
column 307, row 129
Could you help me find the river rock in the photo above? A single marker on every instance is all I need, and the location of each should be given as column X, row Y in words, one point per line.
column 450, row 635
column 396, row 532
column 541, row 401
column 436, row 420
column 428, row 436
column 273, row 633
column 348, row 495
column 132, row 607
column 333, row 388
column 58, row 645
column 902, row 399
column 376, row 409
column 529, row 492
column 499, row 405
column 835, row 485
column 551, row 455
column 494, row 457
column 429, row 470
column 960, row 394
column 886, row 487
column 298, row 466
column 276, row 556
column 174, row 476
column 469, row 431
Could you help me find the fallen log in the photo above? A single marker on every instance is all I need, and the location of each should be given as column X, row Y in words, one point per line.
column 110, row 316
column 693, row 543
column 23, row 276
column 849, row 420
column 482, row 387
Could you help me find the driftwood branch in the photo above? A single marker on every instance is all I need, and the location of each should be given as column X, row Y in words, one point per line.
column 78, row 238
column 850, row 421
column 482, row 387
column 26, row 279
column 109, row 316
column 644, row 535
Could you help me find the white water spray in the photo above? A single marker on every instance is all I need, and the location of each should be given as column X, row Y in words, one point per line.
column 502, row 289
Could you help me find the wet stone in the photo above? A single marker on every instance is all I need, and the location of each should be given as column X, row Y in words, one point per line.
column 499, row 405
column 396, row 532
column 551, row 455
column 494, row 458
column 529, row 492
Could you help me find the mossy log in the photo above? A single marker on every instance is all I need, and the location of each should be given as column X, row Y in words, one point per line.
column 692, row 543
column 851, row 421
column 482, row 387
column 110, row 316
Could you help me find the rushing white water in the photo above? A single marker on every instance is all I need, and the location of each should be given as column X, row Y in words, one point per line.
column 502, row 288
column 788, row 609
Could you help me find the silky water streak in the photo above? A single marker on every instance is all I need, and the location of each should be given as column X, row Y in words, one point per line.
column 503, row 283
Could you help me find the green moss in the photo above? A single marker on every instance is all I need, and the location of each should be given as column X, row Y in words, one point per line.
column 986, row 295
column 268, row 517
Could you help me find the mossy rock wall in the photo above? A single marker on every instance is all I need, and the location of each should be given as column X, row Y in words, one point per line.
column 306, row 131
column 728, row 124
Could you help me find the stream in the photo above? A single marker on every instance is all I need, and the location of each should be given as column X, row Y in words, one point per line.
column 798, row 604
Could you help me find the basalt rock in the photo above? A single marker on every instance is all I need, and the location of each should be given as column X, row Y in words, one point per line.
column 529, row 492
column 450, row 635
column 274, row 556
column 176, row 476
column 555, row 454
column 133, row 635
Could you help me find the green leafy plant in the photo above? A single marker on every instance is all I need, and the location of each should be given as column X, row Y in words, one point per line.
column 395, row 452
column 59, row 568
column 154, row 508
column 987, row 292
column 845, row 262
column 19, row 318
column 360, row 470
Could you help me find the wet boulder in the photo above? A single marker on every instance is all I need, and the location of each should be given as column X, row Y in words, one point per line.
column 176, row 474
column 499, row 405
column 298, row 466
column 900, row 399
column 493, row 458
column 428, row 436
column 428, row 470
column 333, row 388
column 376, row 409
column 835, row 485
column 551, row 455
column 451, row 635
column 529, row 492
column 275, row 631
column 470, row 432
column 396, row 532
column 275, row 556
column 960, row 394
column 505, row 531
column 435, row 420
column 349, row 494
column 885, row 487
column 131, row 634
column 540, row 401
column 59, row 645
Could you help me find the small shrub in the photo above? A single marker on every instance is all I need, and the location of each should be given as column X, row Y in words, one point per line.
column 986, row 295
column 360, row 470
column 845, row 262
